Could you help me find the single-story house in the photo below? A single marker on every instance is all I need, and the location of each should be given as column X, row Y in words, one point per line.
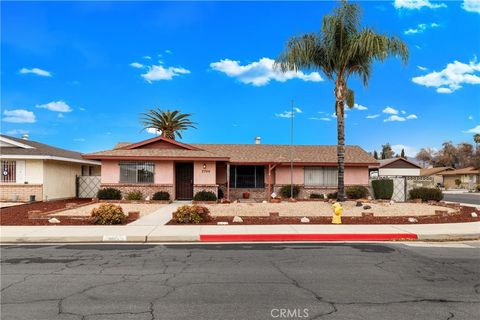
column 468, row 177
column 31, row 168
column 161, row 164
column 398, row 167
column 435, row 173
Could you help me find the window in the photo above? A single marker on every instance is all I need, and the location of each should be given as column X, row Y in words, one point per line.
column 137, row 172
column 247, row 176
column 9, row 171
column 321, row 176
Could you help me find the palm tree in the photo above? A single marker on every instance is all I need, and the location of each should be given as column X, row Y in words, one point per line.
column 341, row 49
column 169, row 123
column 476, row 139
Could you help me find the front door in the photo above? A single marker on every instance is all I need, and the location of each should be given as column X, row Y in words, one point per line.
column 184, row 180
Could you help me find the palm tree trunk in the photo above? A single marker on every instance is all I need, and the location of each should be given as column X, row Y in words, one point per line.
column 341, row 149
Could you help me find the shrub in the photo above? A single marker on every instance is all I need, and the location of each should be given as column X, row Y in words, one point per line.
column 161, row 195
column 108, row 213
column 134, row 195
column 191, row 214
column 109, row 194
column 205, row 196
column 382, row 189
column 285, row 191
column 356, row 192
column 333, row 195
column 458, row 182
column 426, row 194
column 220, row 194
column 477, row 188
column 316, row 196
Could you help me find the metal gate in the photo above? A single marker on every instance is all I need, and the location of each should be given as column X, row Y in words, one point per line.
column 398, row 189
column 87, row 186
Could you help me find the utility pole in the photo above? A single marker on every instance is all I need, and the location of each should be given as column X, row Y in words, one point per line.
column 291, row 152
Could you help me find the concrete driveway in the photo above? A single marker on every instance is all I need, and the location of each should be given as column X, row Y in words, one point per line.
column 470, row 198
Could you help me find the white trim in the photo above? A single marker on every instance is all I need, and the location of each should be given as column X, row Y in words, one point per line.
column 40, row 157
column 16, row 143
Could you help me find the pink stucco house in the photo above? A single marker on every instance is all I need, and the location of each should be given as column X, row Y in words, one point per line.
column 161, row 164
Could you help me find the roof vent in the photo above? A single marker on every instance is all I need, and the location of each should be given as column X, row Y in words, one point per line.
column 25, row 136
column 258, row 140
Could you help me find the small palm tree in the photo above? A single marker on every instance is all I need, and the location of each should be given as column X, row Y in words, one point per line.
column 169, row 123
column 476, row 139
column 340, row 50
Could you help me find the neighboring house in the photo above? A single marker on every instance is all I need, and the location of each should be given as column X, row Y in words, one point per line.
column 161, row 164
column 398, row 167
column 435, row 173
column 468, row 177
column 30, row 168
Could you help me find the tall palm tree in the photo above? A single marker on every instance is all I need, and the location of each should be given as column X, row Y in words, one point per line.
column 341, row 49
column 169, row 123
column 476, row 139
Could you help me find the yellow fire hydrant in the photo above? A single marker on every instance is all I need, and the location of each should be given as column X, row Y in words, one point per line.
column 337, row 213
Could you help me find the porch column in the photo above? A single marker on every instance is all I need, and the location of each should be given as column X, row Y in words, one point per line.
column 269, row 180
column 228, row 181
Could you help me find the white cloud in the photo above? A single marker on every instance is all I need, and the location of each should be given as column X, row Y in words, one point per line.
column 474, row 130
column 359, row 107
column 422, row 68
column 409, row 151
column 471, row 5
column 403, row 112
column 153, row 131
column 421, row 28
column 298, row 110
column 412, row 116
column 82, row 109
column 147, row 57
column 37, row 71
column 58, row 106
column 60, row 115
column 321, row 119
column 334, row 115
column 452, row 77
column 136, row 65
column 156, row 73
column 261, row 72
column 470, row 117
column 168, row 51
column 417, row 4
column 79, row 140
column 19, row 116
column 16, row 132
column 394, row 118
column 390, row 110
column 372, row 116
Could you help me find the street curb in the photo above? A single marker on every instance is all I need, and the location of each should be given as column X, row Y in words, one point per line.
column 448, row 237
column 73, row 239
column 308, row 237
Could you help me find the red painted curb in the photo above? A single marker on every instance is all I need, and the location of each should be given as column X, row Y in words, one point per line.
column 307, row 237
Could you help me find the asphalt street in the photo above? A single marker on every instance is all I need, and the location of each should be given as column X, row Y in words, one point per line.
column 471, row 198
column 241, row 281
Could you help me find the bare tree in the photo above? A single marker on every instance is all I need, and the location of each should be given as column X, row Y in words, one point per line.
column 425, row 155
column 447, row 156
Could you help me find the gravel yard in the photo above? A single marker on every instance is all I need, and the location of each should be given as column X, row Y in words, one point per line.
column 318, row 208
column 84, row 211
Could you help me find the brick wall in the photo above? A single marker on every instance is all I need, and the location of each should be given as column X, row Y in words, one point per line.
column 147, row 189
column 258, row 194
column 7, row 191
column 306, row 191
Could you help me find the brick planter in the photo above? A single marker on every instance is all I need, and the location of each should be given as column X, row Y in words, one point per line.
column 367, row 214
column 274, row 214
column 36, row 214
column 204, row 202
column 133, row 215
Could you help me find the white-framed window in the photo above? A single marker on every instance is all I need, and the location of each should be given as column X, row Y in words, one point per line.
column 9, row 171
column 137, row 172
column 321, row 176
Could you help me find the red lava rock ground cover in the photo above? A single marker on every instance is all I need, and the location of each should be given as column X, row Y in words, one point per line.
column 18, row 215
column 463, row 216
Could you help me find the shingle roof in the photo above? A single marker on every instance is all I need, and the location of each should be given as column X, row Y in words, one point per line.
column 38, row 149
column 432, row 171
column 468, row 170
column 247, row 153
column 384, row 162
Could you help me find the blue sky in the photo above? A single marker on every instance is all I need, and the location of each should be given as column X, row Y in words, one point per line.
column 77, row 75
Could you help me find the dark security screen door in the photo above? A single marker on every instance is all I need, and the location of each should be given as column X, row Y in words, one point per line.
column 184, row 181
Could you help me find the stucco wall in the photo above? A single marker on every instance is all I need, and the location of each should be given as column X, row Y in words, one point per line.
column 205, row 176
column 59, row 179
column 110, row 171
column 164, row 172
column 399, row 171
column 282, row 175
column 33, row 172
column 356, row 176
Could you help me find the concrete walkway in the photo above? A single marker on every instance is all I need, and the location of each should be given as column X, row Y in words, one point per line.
column 159, row 217
column 193, row 233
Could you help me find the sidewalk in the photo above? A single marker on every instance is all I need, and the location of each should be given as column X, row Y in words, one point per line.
column 233, row 233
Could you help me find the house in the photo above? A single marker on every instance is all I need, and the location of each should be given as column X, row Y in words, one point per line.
column 398, row 167
column 435, row 173
column 466, row 178
column 31, row 168
column 161, row 164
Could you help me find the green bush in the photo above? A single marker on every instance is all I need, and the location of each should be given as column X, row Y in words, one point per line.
column 107, row 213
column 191, row 214
column 109, row 194
column 316, row 196
column 356, row 192
column 161, row 195
column 426, row 194
column 458, row 182
column 220, row 194
column 477, row 188
column 205, row 196
column 285, row 191
column 134, row 195
column 383, row 189
column 333, row 195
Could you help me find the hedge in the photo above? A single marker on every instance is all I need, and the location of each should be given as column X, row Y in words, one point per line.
column 286, row 191
column 356, row 192
column 426, row 194
column 161, row 195
column 109, row 194
column 205, row 196
column 382, row 189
